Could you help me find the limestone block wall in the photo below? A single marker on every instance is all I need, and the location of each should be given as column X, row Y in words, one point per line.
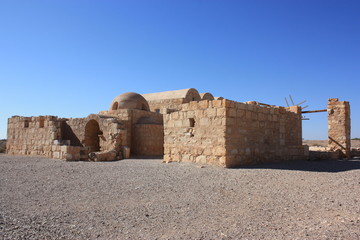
column 32, row 135
column 148, row 139
column 339, row 127
column 256, row 134
column 232, row 134
column 197, row 133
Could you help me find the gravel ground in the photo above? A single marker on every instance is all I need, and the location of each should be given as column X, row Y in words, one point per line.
column 146, row 199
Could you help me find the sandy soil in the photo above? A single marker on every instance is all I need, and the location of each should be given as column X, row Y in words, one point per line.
column 324, row 143
column 146, row 199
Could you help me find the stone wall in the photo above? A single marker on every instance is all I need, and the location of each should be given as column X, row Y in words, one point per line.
column 339, row 127
column 32, row 135
column 196, row 134
column 38, row 136
column 256, row 134
column 145, row 131
column 166, row 105
column 111, row 135
column 67, row 139
column 231, row 134
column 148, row 139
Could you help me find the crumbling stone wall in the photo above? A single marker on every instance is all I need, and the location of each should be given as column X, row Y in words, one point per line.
column 112, row 136
column 339, row 127
column 143, row 138
column 231, row 134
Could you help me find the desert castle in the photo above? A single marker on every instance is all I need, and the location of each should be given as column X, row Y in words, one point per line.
column 180, row 125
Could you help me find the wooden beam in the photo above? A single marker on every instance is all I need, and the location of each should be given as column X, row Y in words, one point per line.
column 300, row 103
column 304, row 107
column 291, row 100
column 287, row 104
column 314, row 111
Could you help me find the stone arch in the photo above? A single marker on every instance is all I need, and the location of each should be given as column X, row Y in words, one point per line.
column 92, row 132
column 192, row 95
column 206, row 96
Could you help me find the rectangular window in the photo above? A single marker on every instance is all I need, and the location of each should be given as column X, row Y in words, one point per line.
column 42, row 123
column 191, row 122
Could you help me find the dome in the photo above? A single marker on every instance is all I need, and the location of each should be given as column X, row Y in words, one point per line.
column 130, row 100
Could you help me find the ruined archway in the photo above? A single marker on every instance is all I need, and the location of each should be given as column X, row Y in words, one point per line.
column 92, row 132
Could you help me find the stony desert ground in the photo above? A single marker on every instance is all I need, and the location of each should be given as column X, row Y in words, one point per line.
column 324, row 143
column 147, row 199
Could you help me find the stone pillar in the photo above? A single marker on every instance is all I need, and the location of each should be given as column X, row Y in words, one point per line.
column 339, row 127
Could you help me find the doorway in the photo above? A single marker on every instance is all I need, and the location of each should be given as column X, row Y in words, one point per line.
column 92, row 132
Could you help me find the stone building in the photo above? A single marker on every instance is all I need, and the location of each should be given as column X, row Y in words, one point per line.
column 181, row 125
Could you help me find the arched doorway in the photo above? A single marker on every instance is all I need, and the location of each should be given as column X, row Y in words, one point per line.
column 92, row 132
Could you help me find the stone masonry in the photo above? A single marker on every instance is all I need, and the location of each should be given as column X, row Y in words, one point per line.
column 339, row 127
column 232, row 134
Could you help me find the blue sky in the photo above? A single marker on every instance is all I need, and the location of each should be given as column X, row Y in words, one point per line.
column 71, row 58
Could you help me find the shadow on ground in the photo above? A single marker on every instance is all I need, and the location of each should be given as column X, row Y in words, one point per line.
column 312, row 166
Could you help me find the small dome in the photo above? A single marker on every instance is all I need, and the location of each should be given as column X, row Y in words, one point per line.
column 130, row 100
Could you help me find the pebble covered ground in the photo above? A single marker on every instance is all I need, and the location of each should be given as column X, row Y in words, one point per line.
column 147, row 199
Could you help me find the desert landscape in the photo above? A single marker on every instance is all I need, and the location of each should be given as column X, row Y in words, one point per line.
column 146, row 199
column 323, row 143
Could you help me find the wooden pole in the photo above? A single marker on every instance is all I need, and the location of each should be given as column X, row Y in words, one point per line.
column 314, row 111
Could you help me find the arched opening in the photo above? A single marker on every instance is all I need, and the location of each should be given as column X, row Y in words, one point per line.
column 115, row 106
column 92, row 132
column 144, row 107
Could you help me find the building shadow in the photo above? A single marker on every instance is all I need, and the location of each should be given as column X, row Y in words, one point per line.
column 332, row 166
column 143, row 157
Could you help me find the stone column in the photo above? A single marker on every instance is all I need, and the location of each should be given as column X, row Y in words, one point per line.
column 339, row 127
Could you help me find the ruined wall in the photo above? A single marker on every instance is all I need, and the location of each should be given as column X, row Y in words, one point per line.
column 110, row 135
column 196, row 134
column 145, row 131
column 32, row 135
column 256, row 134
column 231, row 134
column 339, row 127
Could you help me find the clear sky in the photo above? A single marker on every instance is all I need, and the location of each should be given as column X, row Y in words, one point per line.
column 70, row 58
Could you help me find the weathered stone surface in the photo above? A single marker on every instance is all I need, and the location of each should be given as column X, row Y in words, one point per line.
column 103, row 156
column 339, row 127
